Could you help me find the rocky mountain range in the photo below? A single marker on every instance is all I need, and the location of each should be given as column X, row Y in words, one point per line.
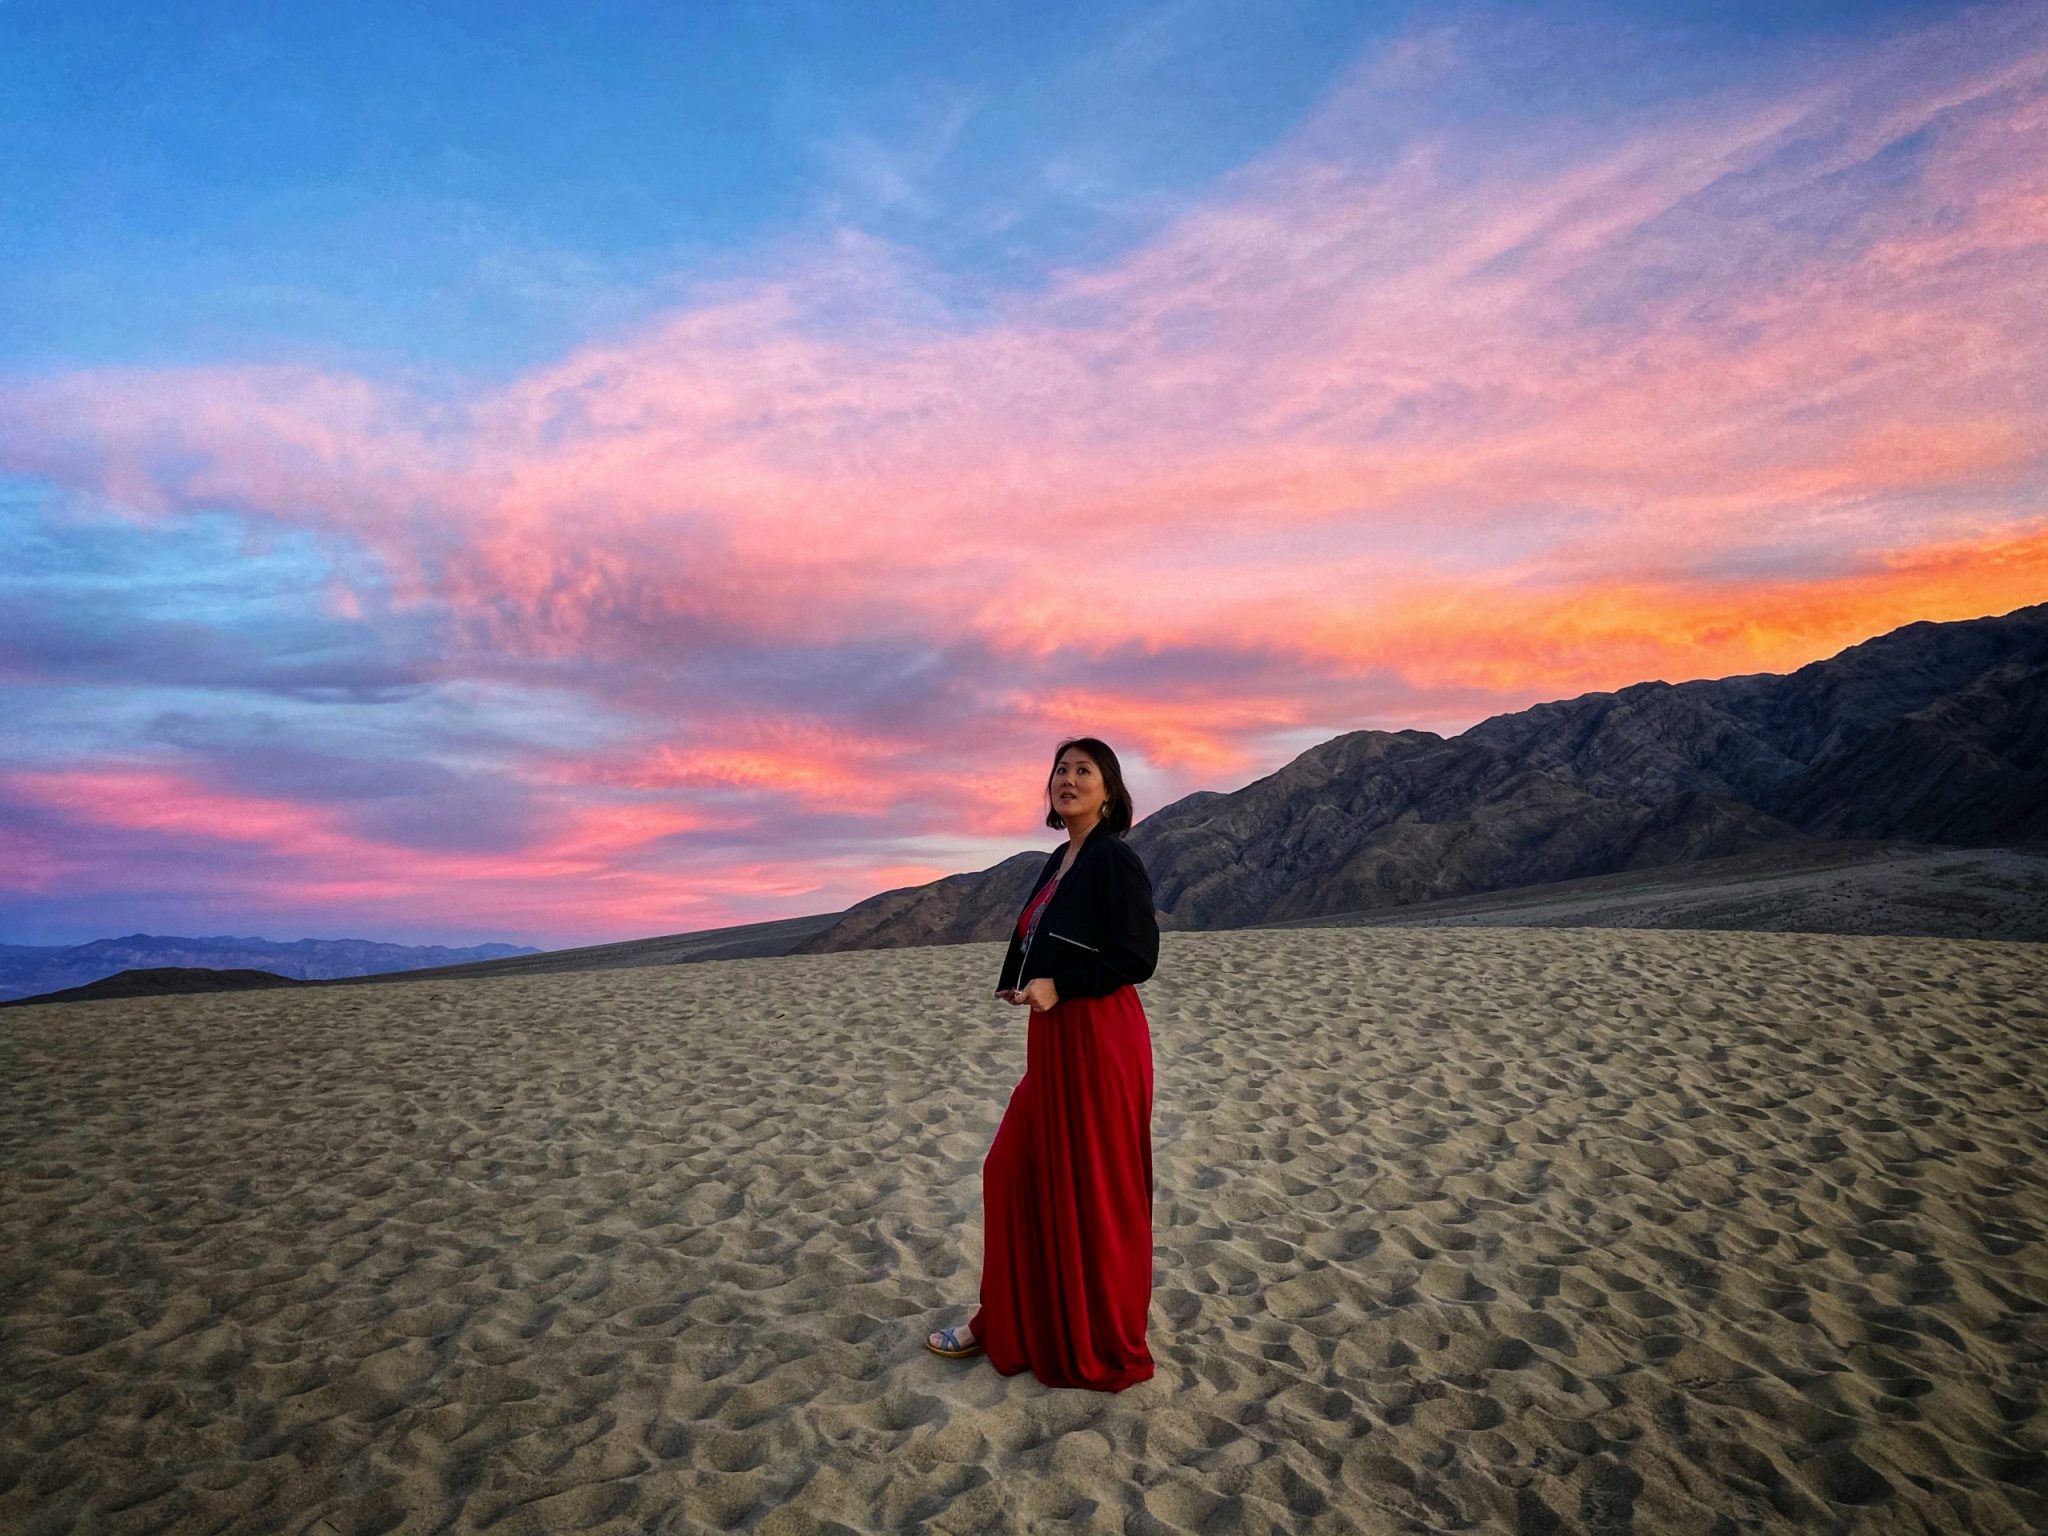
column 27, row 970
column 1932, row 733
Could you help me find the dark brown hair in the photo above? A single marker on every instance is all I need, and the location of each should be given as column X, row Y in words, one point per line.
column 1117, row 813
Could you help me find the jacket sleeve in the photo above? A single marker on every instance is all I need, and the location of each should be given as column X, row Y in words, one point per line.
column 1126, row 936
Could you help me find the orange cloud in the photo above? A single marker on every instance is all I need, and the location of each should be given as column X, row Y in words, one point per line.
column 1556, row 642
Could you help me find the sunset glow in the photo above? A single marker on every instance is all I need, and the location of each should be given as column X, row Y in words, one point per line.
column 769, row 572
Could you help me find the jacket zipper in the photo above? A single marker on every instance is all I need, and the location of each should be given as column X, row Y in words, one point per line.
column 1089, row 947
column 1026, row 955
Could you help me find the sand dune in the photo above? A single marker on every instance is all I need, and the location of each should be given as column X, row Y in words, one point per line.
column 1459, row 1229
column 743, row 941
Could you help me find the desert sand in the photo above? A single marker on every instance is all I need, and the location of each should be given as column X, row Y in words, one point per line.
column 1514, row 1229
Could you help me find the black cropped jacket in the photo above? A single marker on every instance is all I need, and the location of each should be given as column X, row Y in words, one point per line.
column 1098, row 931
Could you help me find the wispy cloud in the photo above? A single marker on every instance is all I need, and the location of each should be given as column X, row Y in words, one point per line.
column 869, row 173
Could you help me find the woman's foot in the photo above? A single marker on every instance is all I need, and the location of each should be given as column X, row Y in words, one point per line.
column 953, row 1343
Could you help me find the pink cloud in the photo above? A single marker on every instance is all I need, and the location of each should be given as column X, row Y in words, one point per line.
column 578, row 878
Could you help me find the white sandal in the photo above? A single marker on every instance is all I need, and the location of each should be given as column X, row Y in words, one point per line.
column 954, row 1349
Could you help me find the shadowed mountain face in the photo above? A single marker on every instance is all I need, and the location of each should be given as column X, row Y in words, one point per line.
column 1969, row 768
column 165, row 981
column 1932, row 733
column 1768, row 740
column 956, row 910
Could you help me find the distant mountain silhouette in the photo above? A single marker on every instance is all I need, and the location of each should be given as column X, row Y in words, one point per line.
column 165, row 981
column 1933, row 733
column 28, row 970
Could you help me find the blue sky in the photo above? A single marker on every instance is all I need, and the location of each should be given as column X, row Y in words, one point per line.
column 475, row 187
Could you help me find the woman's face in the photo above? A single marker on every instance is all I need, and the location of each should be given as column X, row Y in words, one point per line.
column 1078, row 793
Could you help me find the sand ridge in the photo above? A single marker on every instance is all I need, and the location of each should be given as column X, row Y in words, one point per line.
column 1850, row 888
column 1515, row 1229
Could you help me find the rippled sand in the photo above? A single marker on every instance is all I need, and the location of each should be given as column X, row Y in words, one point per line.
column 1505, row 1229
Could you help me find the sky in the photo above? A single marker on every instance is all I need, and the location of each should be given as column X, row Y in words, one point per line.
column 566, row 474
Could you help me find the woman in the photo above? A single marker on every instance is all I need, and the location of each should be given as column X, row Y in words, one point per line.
column 1066, row 1276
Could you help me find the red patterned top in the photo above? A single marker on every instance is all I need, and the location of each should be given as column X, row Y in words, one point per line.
column 1027, row 924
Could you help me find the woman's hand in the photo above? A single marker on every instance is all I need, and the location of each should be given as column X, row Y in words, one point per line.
column 1039, row 992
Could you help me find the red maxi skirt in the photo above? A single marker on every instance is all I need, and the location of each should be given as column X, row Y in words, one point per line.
column 1066, row 1277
